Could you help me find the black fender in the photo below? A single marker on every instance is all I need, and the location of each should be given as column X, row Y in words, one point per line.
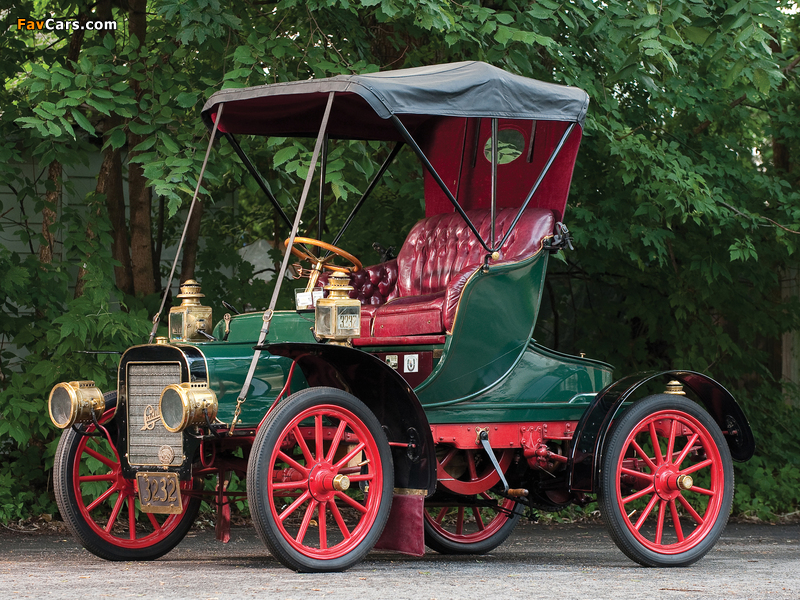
column 384, row 392
column 590, row 434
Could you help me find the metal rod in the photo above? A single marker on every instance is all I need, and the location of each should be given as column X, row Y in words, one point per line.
column 529, row 158
column 276, row 290
column 157, row 316
column 389, row 159
column 493, row 209
column 539, row 179
column 477, row 139
column 461, row 162
column 257, row 176
column 322, row 169
column 411, row 142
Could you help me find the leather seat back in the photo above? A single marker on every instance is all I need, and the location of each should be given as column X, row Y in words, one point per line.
column 440, row 247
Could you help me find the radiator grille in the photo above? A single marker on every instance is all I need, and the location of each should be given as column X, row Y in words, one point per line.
column 146, row 432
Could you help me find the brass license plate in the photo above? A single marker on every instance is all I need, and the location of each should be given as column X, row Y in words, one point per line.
column 159, row 493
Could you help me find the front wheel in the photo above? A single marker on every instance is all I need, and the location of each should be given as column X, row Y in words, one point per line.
column 101, row 507
column 666, row 486
column 320, row 480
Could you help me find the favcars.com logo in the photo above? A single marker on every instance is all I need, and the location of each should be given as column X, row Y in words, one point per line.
column 64, row 24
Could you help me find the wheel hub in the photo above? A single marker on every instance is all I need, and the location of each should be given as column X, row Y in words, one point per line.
column 669, row 483
column 324, row 482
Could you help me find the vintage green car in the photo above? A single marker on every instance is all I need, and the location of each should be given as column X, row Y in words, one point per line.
column 402, row 404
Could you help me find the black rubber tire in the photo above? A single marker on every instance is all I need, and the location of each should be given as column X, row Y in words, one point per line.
column 259, row 471
column 76, row 521
column 443, row 545
column 615, row 519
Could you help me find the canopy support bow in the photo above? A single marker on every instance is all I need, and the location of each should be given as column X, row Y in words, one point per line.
column 279, row 279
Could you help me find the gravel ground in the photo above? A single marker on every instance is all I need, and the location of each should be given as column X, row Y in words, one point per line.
column 563, row 561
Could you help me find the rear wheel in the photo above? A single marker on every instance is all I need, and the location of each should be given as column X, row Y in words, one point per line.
column 320, row 481
column 101, row 507
column 667, row 482
column 479, row 522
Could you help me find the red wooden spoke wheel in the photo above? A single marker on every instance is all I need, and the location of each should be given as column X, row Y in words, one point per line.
column 101, row 507
column 667, row 482
column 480, row 521
column 320, row 480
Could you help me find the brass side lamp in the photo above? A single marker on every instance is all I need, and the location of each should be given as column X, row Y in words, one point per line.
column 338, row 317
column 191, row 317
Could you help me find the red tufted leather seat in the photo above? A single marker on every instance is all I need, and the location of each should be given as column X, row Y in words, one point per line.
column 417, row 293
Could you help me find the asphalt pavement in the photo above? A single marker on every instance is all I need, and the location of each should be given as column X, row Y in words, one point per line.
column 556, row 561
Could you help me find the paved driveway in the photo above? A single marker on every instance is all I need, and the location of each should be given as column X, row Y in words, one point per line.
column 559, row 562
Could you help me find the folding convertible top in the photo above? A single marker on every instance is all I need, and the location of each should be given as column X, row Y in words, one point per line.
column 364, row 102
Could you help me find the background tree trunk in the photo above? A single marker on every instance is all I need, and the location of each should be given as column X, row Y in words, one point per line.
column 109, row 184
column 50, row 212
column 115, row 203
column 190, row 244
column 55, row 171
column 138, row 192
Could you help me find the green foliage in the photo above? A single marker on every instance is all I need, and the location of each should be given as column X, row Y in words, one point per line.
column 55, row 337
column 682, row 202
column 768, row 485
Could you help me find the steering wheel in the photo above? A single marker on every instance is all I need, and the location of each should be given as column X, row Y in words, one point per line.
column 322, row 263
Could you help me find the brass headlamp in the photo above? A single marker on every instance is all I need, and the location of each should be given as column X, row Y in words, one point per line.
column 182, row 405
column 186, row 320
column 338, row 317
column 75, row 402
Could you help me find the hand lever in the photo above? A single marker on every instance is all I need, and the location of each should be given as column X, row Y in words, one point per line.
column 483, row 436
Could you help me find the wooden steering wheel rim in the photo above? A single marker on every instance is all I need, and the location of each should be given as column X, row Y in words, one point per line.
column 325, row 246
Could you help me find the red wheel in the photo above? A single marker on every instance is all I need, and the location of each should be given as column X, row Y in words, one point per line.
column 476, row 521
column 101, row 507
column 320, row 481
column 667, row 483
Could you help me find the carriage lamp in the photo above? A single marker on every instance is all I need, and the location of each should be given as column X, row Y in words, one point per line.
column 338, row 317
column 190, row 318
column 183, row 404
column 675, row 388
column 75, row 402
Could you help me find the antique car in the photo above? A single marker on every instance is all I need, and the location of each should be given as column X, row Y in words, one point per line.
column 402, row 404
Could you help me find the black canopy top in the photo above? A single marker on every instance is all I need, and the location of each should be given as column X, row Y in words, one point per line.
column 463, row 89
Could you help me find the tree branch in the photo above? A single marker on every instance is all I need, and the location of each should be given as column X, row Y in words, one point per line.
column 738, row 212
column 705, row 124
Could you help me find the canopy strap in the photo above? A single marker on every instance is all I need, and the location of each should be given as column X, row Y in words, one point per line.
column 157, row 316
column 279, row 280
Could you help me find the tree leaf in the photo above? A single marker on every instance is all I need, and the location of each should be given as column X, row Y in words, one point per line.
column 82, row 121
column 281, row 156
column 186, row 99
column 698, row 35
column 117, row 139
column 761, row 81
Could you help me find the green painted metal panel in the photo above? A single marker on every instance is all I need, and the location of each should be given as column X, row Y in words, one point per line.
column 228, row 362
column 286, row 326
column 227, row 368
column 490, row 370
column 493, row 326
column 543, row 386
